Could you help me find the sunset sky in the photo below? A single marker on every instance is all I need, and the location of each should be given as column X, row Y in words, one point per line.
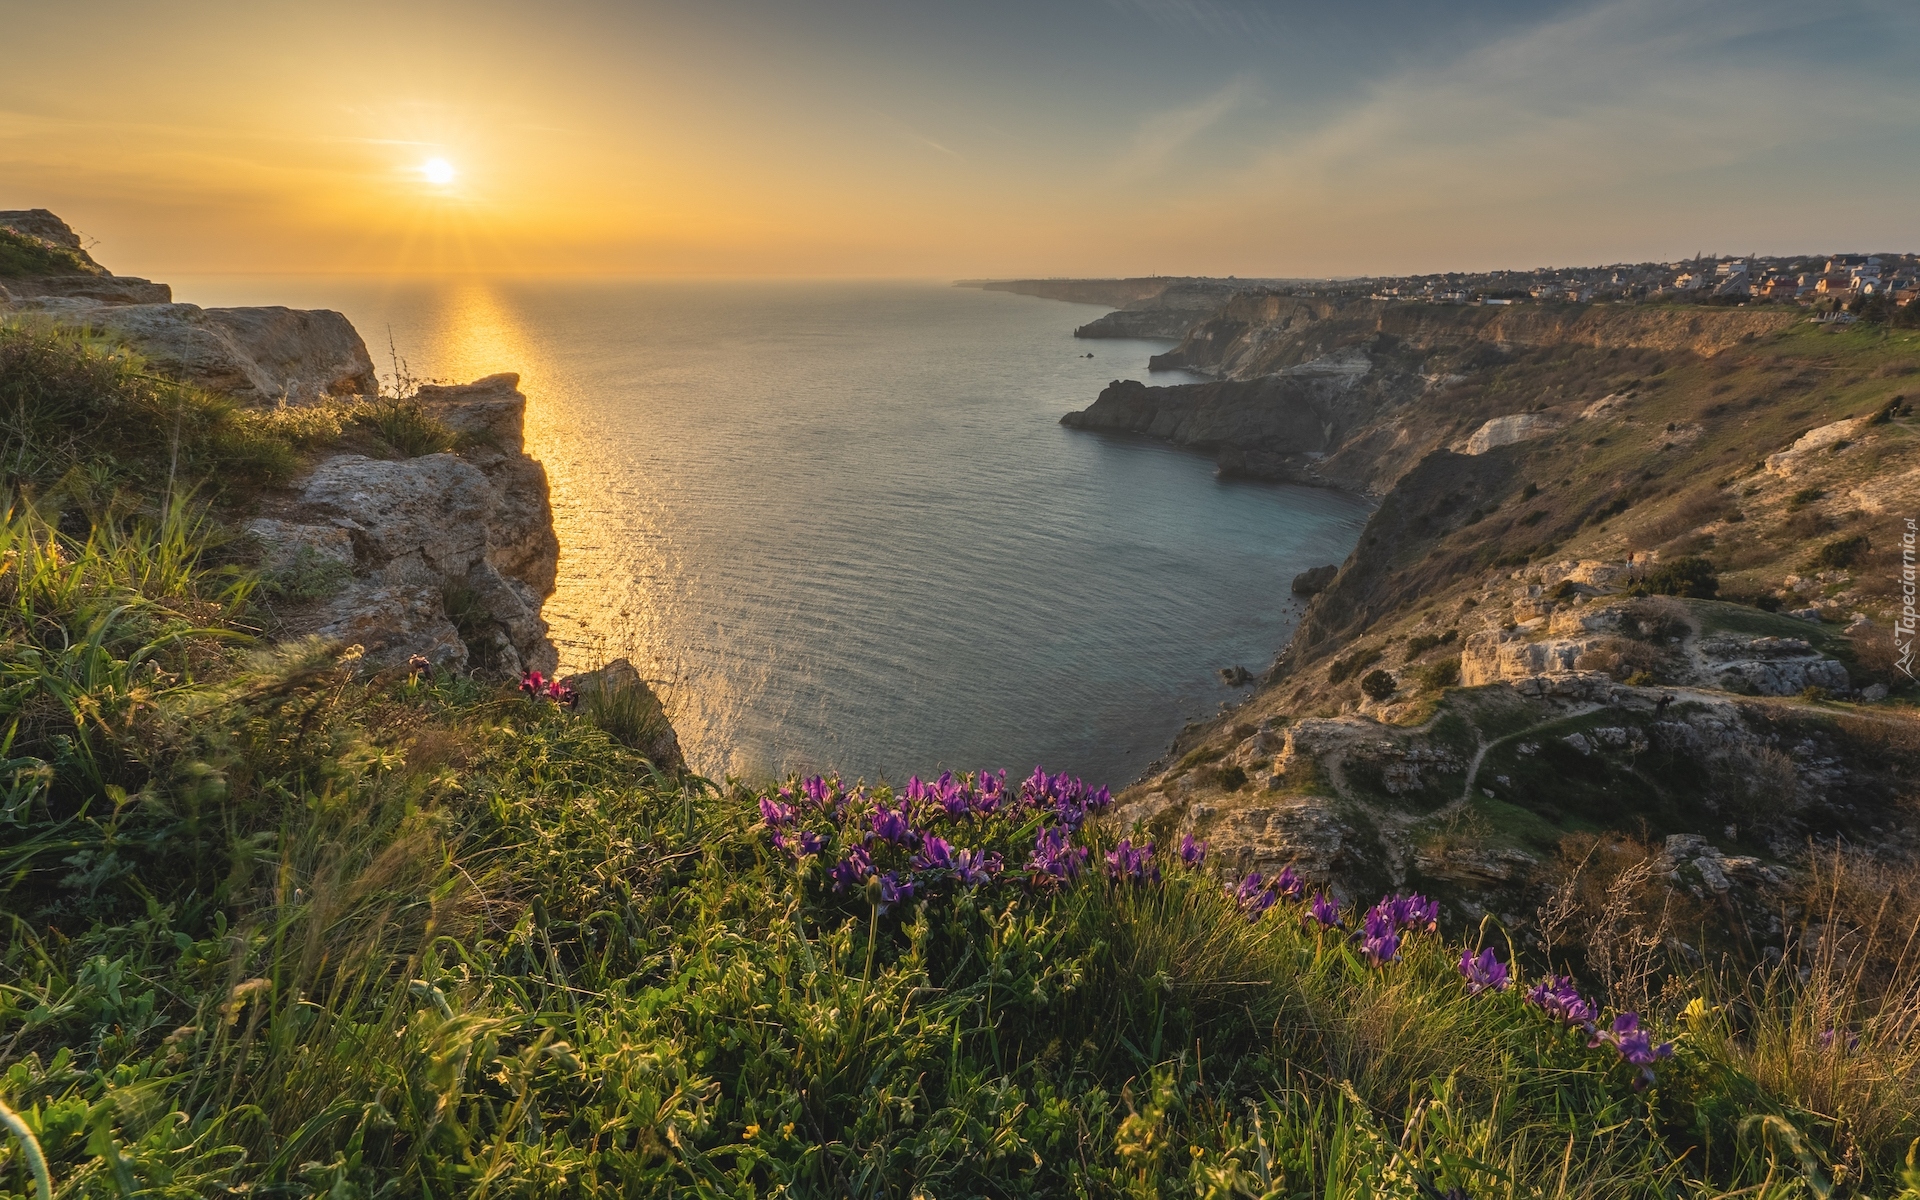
column 905, row 138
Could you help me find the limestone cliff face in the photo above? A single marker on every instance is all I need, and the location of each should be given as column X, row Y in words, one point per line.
column 447, row 555
column 1257, row 333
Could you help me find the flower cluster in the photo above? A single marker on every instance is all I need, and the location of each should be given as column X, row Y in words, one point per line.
column 1386, row 922
column 1556, row 996
column 1255, row 897
column 893, row 847
column 539, row 687
column 1132, row 863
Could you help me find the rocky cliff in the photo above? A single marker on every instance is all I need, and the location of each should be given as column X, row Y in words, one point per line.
column 1486, row 680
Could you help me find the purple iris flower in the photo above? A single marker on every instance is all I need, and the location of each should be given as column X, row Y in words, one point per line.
column 1414, row 912
column 1287, row 886
column 975, row 866
column 1381, row 942
column 819, row 791
column 1634, row 1045
column 1253, row 897
column 952, row 795
column 1483, row 971
column 776, row 814
column 894, row 890
column 1127, row 861
column 1555, row 996
column 1055, row 856
column 1324, row 910
column 936, row 854
column 993, row 791
column 1192, row 853
column 856, row 868
column 890, row 826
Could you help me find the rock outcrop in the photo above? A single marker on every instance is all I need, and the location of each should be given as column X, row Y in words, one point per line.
column 265, row 355
column 447, row 555
column 629, row 710
column 76, row 276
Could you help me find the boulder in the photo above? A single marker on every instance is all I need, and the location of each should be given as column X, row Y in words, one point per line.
column 1314, row 580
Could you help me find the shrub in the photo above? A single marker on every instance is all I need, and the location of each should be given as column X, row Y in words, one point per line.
column 1378, row 685
column 1690, row 576
column 1442, row 674
column 1420, row 643
column 406, row 426
column 1231, row 778
column 1839, row 553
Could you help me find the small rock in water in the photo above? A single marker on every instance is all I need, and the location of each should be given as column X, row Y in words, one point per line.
column 1236, row 676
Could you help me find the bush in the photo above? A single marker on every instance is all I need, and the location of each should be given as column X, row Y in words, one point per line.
column 22, row 255
column 1420, row 643
column 1839, row 553
column 1690, row 576
column 1378, row 685
column 1442, row 674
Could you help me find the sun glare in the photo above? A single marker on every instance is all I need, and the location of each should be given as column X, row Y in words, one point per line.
column 438, row 171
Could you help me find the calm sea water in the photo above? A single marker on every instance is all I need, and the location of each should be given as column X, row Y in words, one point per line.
column 840, row 525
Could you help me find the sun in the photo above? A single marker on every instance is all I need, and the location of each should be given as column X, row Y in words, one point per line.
column 438, row 171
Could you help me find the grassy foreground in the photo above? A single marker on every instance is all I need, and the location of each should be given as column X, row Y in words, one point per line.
column 275, row 923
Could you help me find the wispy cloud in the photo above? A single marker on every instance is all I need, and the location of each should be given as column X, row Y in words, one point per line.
column 1161, row 136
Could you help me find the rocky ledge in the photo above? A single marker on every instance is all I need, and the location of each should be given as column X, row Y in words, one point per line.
column 447, row 555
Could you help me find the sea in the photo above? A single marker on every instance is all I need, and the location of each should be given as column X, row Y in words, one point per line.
column 839, row 526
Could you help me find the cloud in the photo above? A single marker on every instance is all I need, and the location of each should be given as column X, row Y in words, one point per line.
column 1630, row 117
column 1163, row 135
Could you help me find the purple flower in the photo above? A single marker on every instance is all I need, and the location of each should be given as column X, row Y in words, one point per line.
column 561, row 694
column 774, row 813
column 1287, row 886
column 1848, row 1042
column 1483, row 971
column 936, row 854
column 533, row 683
column 1634, row 1045
column 1555, row 996
column 890, row 826
column 1381, row 947
column 975, row 866
column 993, row 791
column 808, row 843
column 1324, row 910
column 819, row 792
column 1192, row 853
column 952, row 795
column 1253, row 898
column 855, row 868
column 1068, row 797
column 1055, row 856
column 1414, row 912
column 1127, row 861
column 894, row 890
column 1380, row 938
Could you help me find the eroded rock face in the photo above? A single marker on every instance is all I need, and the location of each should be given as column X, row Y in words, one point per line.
column 256, row 355
column 451, row 555
column 1505, row 431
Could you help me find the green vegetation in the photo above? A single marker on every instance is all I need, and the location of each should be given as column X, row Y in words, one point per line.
column 1378, row 685
column 21, row 255
column 1690, row 576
